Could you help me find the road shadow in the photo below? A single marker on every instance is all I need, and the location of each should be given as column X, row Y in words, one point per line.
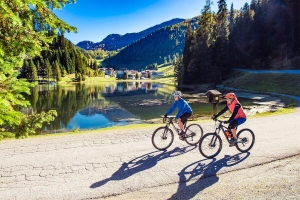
column 142, row 163
column 205, row 169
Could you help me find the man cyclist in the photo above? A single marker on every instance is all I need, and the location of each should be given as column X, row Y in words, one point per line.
column 238, row 115
column 184, row 112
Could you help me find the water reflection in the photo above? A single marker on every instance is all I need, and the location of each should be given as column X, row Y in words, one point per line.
column 81, row 106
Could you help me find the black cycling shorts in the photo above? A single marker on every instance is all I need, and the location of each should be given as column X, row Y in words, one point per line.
column 184, row 117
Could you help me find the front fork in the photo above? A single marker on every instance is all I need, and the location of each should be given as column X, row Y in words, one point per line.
column 166, row 129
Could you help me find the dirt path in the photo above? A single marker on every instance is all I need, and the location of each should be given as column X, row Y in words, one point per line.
column 110, row 163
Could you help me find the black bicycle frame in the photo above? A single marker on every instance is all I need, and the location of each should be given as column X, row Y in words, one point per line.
column 223, row 128
column 170, row 121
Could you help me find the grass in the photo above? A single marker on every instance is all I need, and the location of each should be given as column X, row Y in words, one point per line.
column 280, row 111
column 98, row 131
column 278, row 83
column 69, row 79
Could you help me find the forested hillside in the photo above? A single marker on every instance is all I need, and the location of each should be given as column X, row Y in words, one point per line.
column 114, row 42
column 160, row 47
column 60, row 59
column 262, row 35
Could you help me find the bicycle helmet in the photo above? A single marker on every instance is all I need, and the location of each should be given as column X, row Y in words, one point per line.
column 230, row 95
column 176, row 94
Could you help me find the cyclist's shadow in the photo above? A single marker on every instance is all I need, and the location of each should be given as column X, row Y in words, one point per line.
column 142, row 163
column 201, row 170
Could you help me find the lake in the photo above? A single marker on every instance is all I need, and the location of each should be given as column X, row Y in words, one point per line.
column 93, row 106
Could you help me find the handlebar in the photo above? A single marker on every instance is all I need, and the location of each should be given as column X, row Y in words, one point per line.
column 170, row 117
column 221, row 121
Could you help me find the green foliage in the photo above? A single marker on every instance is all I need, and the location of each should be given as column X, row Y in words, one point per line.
column 11, row 100
column 30, row 123
column 24, row 31
column 101, row 73
column 255, row 37
column 137, row 76
column 265, row 40
column 6, row 135
column 97, row 54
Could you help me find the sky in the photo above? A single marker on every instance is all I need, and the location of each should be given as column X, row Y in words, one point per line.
column 96, row 19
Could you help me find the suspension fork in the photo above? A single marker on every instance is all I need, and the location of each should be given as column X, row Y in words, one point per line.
column 167, row 127
column 214, row 139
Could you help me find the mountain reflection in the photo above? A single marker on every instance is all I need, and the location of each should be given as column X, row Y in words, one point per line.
column 82, row 106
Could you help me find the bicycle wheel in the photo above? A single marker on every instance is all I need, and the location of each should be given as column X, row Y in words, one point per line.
column 245, row 140
column 194, row 132
column 210, row 145
column 162, row 138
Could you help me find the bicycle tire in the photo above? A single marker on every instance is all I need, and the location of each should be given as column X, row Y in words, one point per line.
column 245, row 141
column 205, row 145
column 194, row 133
column 162, row 138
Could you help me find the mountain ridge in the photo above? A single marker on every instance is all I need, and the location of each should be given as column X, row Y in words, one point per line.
column 163, row 46
column 115, row 41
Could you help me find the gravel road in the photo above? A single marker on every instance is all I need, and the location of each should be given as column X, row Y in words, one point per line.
column 123, row 164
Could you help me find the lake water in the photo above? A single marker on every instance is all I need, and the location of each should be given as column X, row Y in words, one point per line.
column 86, row 106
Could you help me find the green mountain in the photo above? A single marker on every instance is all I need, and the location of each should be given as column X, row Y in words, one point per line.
column 162, row 46
column 116, row 41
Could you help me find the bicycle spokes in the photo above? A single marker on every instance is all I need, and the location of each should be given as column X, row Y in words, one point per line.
column 246, row 140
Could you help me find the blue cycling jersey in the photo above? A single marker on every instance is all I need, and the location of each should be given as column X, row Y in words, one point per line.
column 183, row 107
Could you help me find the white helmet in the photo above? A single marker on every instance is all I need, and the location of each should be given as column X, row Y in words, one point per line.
column 176, row 94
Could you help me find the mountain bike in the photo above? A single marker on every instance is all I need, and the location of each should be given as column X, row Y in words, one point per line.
column 163, row 137
column 210, row 144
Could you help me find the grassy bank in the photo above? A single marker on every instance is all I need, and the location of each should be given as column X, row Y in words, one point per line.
column 264, row 83
column 69, row 79
column 278, row 83
column 158, row 123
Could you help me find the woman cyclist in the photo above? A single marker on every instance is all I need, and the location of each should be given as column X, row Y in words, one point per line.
column 238, row 115
column 184, row 111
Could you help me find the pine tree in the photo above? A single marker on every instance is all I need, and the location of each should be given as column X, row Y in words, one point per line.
column 199, row 67
column 220, row 49
column 231, row 37
column 48, row 69
column 95, row 65
column 182, row 72
column 31, row 72
column 56, row 71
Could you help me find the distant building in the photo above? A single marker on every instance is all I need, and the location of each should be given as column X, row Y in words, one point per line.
column 120, row 73
column 108, row 71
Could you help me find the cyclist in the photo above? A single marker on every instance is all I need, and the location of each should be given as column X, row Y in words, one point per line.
column 184, row 112
column 238, row 115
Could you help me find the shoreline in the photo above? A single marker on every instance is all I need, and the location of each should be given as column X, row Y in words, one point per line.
column 141, row 126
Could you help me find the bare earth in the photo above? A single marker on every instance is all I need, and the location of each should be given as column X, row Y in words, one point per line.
column 123, row 164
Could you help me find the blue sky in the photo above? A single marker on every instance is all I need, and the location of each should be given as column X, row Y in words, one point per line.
column 95, row 19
